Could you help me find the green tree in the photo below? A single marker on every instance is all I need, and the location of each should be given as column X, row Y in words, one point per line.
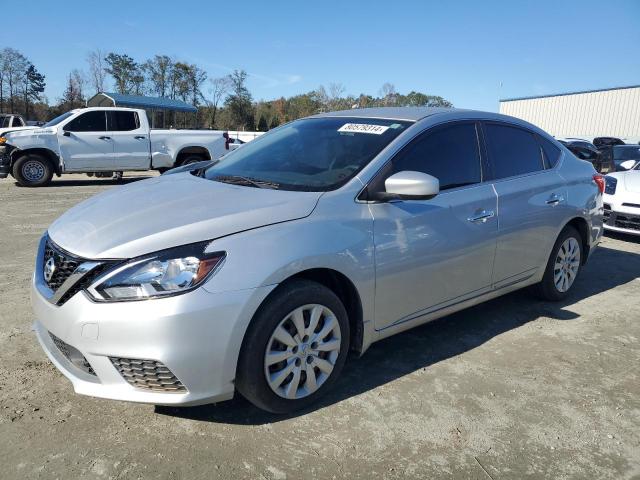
column 239, row 102
column 263, row 126
column 72, row 96
column 124, row 70
column 274, row 122
column 14, row 66
column 33, row 87
column 418, row 99
column 158, row 70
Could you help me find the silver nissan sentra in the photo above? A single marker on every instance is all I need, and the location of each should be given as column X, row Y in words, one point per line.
column 259, row 273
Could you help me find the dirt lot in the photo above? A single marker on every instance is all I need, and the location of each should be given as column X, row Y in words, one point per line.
column 515, row 388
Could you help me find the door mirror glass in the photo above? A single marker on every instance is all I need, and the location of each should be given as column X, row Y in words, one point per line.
column 409, row 185
column 627, row 164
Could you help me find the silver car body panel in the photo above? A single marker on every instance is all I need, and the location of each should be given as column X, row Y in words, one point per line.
column 409, row 261
column 141, row 217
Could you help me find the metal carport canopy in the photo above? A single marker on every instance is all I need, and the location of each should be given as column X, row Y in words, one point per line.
column 108, row 99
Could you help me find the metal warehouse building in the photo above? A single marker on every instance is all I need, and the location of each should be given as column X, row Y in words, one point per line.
column 611, row 112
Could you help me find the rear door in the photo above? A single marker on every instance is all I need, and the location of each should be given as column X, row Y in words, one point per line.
column 532, row 200
column 85, row 144
column 433, row 253
column 131, row 146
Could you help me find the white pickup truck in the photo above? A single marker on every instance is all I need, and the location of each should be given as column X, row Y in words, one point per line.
column 101, row 141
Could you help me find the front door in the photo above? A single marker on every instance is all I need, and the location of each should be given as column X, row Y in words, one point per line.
column 131, row 145
column 433, row 253
column 85, row 143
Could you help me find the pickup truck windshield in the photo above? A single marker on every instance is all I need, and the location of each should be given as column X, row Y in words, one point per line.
column 58, row 119
column 313, row 154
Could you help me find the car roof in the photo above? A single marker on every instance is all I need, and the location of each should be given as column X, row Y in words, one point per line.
column 391, row 113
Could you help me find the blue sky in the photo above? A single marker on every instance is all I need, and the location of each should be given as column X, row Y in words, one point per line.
column 461, row 50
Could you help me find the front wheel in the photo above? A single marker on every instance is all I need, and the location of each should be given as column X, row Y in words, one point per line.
column 294, row 349
column 32, row 171
column 563, row 266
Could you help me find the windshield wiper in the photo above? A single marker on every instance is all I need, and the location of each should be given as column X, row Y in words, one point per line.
column 240, row 180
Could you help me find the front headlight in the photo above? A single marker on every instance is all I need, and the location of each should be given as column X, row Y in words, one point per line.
column 161, row 274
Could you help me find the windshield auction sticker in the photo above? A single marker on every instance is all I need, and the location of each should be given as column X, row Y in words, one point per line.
column 363, row 128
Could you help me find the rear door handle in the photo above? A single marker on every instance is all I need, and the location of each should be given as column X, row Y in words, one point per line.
column 140, row 137
column 555, row 199
column 482, row 216
column 104, row 138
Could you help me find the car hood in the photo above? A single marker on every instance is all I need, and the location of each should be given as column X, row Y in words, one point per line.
column 632, row 181
column 5, row 131
column 164, row 212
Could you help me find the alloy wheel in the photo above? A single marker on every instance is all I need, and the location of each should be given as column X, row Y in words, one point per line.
column 302, row 351
column 566, row 265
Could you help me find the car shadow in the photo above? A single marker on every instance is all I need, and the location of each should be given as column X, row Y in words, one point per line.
column 92, row 182
column 436, row 341
column 623, row 237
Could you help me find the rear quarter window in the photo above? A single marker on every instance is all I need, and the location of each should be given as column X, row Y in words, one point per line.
column 551, row 152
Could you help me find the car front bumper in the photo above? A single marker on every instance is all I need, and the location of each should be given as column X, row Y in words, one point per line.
column 623, row 219
column 197, row 336
column 5, row 162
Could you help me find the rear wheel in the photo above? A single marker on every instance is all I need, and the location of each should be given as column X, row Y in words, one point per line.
column 32, row 170
column 563, row 266
column 192, row 159
column 294, row 349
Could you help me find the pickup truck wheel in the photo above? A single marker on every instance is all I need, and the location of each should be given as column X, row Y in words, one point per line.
column 32, row 171
column 191, row 159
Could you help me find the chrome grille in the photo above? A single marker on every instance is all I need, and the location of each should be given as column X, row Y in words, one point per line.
column 65, row 265
column 63, row 275
column 148, row 375
column 629, row 222
column 73, row 355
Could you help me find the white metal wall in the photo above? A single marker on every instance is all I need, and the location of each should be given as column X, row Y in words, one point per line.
column 614, row 113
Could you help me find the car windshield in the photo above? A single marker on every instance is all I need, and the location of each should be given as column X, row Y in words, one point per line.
column 629, row 152
column 313, row 154
column 58, row 119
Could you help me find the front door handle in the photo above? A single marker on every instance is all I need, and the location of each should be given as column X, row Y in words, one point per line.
column 104, row 138
column 482, row 216
column 140, row 137
column 555, row 199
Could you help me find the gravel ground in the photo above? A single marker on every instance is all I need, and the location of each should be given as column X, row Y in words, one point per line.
column 514, row 388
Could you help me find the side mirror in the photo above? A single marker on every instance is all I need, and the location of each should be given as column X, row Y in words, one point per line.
column 628, row 164
column 408, row 185
column 66, row 133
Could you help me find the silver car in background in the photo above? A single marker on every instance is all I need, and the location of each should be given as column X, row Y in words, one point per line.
column 261, row 272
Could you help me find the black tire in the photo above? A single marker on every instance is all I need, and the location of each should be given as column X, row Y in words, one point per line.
column 191, row 159
column 32, row 170
column 547, row 288
column 251, row 379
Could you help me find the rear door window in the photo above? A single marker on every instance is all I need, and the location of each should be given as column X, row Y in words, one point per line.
column 121, row 121
column 449, row 153
column 94, row 121
column 512, row 150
